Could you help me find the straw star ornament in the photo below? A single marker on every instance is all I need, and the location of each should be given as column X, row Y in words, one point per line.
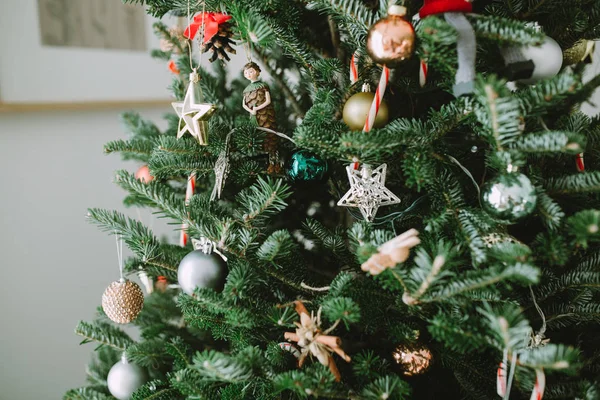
column 313, row 341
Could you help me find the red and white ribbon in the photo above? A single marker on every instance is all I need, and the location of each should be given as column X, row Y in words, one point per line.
column 540, row 385
column 423, row 69
column 580, row 162
column 354, row 68
column 189, row 192
column 383, row 81
column 502, row 375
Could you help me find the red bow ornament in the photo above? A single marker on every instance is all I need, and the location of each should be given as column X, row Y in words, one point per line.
column 211, row 23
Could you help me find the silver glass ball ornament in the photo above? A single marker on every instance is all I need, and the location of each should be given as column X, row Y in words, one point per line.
column 509, row 196
column 125, row 378
column 201, row 270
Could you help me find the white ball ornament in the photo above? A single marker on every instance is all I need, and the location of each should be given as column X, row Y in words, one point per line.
column 125, row 378
column 546, row 60
column 201, row 270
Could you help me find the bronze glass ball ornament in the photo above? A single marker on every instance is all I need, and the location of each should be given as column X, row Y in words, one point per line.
column 414, row 359
column 391, row 40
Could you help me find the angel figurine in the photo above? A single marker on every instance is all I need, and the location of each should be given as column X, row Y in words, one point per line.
column 257, row 101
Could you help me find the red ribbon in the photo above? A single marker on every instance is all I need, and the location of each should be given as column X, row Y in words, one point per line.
column 211, row 23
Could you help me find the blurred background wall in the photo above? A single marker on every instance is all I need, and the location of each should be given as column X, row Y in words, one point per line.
column 54, row 266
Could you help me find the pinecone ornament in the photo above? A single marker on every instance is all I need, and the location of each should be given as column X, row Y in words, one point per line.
column 220, row 43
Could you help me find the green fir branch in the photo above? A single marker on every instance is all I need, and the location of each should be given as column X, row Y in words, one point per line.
column 262, row 200
column 571, row 184
column 551, row 142
column 279, row 245
column 103, row 333
column 523, row 274
column 498, row 112
column 551, row 357
column 388, row 387
column 86, row 393
column 149, row 353
column 505, row 31
column 156, row 390
column 138, row 238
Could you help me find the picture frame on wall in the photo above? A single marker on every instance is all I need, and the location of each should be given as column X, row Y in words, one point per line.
column 79, row 54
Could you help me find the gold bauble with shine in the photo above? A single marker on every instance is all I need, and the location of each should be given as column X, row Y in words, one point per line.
column 357, row 108
column 414, row 359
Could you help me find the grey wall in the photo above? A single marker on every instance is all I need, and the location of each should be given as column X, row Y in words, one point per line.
column 54, row 265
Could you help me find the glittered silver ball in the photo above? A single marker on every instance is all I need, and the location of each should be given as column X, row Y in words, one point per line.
column 200, row 270
column 124, row 379
column 509, row 196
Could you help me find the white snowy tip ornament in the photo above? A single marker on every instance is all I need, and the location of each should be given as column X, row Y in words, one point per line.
column 531, row 64
column 391, row 253
column 313, row 341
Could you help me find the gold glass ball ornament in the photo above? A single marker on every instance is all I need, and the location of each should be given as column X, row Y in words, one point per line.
column 579, row 52
column 357, row 108
column 414, row 359
column 391, row 40
column 122, row 301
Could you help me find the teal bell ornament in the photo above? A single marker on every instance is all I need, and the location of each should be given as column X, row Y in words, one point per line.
column 509, row 196
column 305, row 166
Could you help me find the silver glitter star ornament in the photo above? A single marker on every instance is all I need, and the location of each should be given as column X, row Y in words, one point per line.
column 193, row 114
column 367, row 190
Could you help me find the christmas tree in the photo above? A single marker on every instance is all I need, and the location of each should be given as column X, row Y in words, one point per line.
column 431, row 236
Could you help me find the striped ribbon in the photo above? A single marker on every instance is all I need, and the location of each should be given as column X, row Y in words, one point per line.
column 423, row 73
column 354, row 68
column 540, row 385
column 502, row 375
column 383, row 81
column 189, row 192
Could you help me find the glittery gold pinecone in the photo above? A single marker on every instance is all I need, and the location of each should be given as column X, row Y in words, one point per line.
column 122, row 301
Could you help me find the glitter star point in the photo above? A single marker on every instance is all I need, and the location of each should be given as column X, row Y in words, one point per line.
column 367, row 190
